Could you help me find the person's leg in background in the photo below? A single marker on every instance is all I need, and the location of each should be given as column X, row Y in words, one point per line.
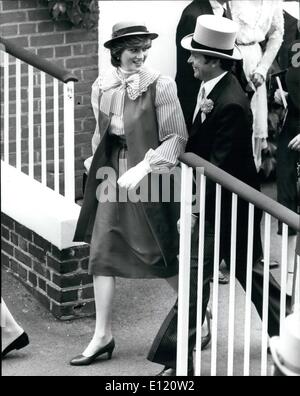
column 12, row 334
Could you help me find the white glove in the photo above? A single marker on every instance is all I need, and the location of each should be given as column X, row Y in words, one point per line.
column 278, row 97
column 193, row 223
column 133, row 176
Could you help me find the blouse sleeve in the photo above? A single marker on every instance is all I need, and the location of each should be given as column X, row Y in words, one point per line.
column 274, row 40
column 95, row 104
column 96, row 136
column 172, row 129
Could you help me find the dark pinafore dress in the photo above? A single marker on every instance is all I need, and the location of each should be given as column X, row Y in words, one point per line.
column 128, row 239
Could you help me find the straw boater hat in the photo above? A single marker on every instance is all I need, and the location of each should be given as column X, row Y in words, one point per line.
column 214, row 36
column 286, row 348
column 129, row 28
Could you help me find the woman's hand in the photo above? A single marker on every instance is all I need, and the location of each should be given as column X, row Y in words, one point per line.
column 295, row 143
column 257, row 79
column 133, row 176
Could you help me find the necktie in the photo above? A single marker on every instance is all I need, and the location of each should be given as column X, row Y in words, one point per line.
column 227, row 10
column 201, row 96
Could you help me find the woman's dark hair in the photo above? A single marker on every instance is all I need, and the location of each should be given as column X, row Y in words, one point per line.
column 123, row 43
column 226, row 64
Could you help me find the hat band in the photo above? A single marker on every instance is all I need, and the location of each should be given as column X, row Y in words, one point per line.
column 131, row 29
column 196, row 45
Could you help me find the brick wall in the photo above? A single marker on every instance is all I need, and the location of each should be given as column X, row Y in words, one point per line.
column 29, row 24
column 57, row 278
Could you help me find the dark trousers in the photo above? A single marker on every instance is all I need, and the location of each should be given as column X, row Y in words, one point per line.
column 164, row 347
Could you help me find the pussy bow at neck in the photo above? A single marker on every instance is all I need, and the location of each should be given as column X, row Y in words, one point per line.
column 114, row 85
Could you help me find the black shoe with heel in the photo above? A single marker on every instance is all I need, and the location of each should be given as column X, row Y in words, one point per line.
column 206, row 339
column 82, row 360
column 19, row 343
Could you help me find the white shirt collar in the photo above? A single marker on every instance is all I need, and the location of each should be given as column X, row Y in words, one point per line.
column 218, row 9
column 209, row 85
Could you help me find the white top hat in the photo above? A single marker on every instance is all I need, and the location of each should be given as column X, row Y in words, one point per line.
column 214, row 36
column 292, row 8
column 286, row 348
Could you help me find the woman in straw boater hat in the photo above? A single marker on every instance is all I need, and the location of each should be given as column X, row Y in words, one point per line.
column 140, row 129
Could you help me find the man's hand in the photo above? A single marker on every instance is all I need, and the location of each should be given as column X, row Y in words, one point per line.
column 133, row 176
column 193, row 223
column 257, row 79
column 295, row 143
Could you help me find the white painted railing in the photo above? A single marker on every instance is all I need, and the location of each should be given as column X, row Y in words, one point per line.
column 271, row 210
column 37, row 152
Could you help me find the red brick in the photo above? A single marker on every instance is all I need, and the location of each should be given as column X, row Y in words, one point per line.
column 63, row 26
column 23, row 244
column 41, row 242
column 40, row 269
column 42, row 284
column 46, row 52
column 32, row 278
column 72, row 280
column 63, row 51
column 82, row 61
column 5, row 233
column 7, row 221
column 84, row 264
column 27, row 28
column 7, row 247
column 87, row 293
column 23, row 272
column 23, row 231
column 23, row 258
column 81, row 36
column 9, row 30
column 29, row 3
column 62, row 267
column 61, row 296
column 39, row 15
column 44, row 27
column 10, row 5
column 21, row 41
column 5, row 261
column 37, row 253
column 46, row 40
column 85, row 49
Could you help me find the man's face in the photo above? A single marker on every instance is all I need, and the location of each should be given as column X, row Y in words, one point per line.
column 202, row 68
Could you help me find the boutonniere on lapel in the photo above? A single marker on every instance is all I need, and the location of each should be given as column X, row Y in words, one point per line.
column 206, row 106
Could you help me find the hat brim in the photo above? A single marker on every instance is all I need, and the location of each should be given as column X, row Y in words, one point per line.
column 292, row 8
column 152, row 36
column 274, row 347
column 186, row 43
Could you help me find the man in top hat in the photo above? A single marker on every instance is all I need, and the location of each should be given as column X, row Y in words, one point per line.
column 187, row 86
column 285, row 349
column 221, row 133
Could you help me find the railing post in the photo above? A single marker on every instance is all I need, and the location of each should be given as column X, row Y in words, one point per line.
column 6, row 106
column 184, row 270
column 69, row 141
column 200, row 271
column 296, row 282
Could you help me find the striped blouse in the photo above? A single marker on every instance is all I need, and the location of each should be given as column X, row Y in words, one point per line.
column 171, row 125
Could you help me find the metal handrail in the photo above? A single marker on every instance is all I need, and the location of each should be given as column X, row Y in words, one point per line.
column 244, row 191
column 32, row 59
